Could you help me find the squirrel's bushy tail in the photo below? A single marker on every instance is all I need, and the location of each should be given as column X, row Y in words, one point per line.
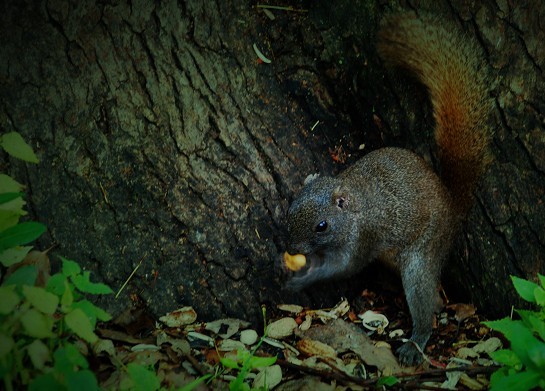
column 452, row 68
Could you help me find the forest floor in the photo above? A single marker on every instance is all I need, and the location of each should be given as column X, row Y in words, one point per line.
column 326, row 349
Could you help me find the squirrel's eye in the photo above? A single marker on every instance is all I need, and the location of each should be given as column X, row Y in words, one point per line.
column 322, row 226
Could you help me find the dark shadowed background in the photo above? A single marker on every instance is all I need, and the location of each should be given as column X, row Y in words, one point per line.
column 164, row 141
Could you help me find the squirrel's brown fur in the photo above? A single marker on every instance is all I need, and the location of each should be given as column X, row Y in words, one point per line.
column 450, row 65
column 390, row 205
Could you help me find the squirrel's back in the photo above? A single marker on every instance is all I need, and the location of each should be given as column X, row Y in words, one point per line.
column 452, row 68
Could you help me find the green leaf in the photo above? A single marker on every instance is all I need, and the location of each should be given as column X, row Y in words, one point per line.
column 7, row 365
column 6, row 344
column 533, row 322
column 14, row 255
column 541, row 279
column 11, row 210
column 42, row 300
column 68, row 357
column 526, row 380
column 525, row 288
column 45, row 382
column 261, row 362
column 25, row 275
column 74, row 356
column 504, row 325
column 7, row 197
column 387, row 381
column 527, row 347
column 538, row 325
column 143, row 379
column 84, row 380
column 536, row 354
column 70, row 268
column 229, row 363
column 17, row 147
column 539, row 294
column 68, row 360
column 93, row 312
column 36, row 324
column 39, row 354
column 67, row 297
column 521, row 338
column 9, row 185
column 8, row 219
column 8, row 299
column 83, row 283
column 196, row 382
column 506, row 357
column 56, row 284
column 498, row 376
column 238, row 384
column 22, row 233
column 80, row 324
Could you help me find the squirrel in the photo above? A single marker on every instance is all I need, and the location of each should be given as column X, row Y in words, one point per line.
column 390, row 205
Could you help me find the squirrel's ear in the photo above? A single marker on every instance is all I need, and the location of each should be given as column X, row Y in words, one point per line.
column 340, row 198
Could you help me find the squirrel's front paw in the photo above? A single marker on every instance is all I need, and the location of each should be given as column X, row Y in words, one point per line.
column 409, row 354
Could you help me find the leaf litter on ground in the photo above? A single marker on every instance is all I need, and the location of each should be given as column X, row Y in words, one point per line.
column 319, row 348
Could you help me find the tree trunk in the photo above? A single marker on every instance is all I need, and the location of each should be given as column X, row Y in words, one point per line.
column 166, row 143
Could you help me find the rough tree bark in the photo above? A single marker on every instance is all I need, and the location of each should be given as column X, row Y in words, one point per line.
column 163, row 140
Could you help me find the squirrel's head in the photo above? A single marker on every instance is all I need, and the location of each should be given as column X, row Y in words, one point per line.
column 317, row 216
column 320, row 223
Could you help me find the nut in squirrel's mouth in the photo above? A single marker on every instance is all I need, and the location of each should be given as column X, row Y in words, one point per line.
column 303, row 270
column 300, row 264
column 294, row 262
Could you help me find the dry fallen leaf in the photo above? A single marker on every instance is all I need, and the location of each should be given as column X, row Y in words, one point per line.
column 268, row 378
column 293, row 308
column 452, row 378
column 317, row 363
column 273, row 342
column 374, row 321
column 344, row 336
column 104, row 346
column 488, row 346
column 248, row 337
column 306, row 383
column 470, row 383
column 462, row 311
column 341, row 308
column 281, row 328
column 174, row 379
column 315, row 348
column 227, row 345
column 395, row 333
column 179, row 317
column 306, row 323
column 383, row 344
column 142, row 347
column 135, row 321
column 233, row 326
column 466, row 352
column 122, row 337
column 179, row 345
column 193, row 336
